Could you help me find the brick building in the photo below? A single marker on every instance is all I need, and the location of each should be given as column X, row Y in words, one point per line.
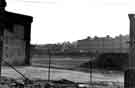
column 15, row 38
column 104, row 44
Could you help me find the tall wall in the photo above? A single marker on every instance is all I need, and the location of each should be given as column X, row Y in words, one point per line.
column 14, row 36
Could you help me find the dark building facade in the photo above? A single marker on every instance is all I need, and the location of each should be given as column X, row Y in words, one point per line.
column 15, row 30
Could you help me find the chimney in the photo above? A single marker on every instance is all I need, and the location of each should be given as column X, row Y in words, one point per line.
column 2, row 5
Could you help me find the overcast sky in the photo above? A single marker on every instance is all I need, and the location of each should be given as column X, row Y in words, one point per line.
column 70, row 20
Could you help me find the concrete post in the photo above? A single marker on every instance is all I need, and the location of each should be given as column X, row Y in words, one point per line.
column 129, row 81
column 1, row 47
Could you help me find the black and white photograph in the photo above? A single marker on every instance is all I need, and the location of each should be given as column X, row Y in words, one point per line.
column 67, row 44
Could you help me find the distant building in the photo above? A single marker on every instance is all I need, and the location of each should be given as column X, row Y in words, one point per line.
column 104, row 44
column 15, row 30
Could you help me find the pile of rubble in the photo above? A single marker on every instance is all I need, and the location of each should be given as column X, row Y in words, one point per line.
column 14, row 83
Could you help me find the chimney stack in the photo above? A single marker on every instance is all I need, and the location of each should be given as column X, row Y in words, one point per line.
column 3, row 4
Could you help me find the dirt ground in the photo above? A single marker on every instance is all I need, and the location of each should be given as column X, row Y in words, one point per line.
column 60, row 62
column 56, row 74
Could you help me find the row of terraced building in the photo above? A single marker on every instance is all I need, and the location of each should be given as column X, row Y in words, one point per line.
column 104, row 44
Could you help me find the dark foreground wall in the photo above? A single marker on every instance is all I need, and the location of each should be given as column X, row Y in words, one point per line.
column 15, row 32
